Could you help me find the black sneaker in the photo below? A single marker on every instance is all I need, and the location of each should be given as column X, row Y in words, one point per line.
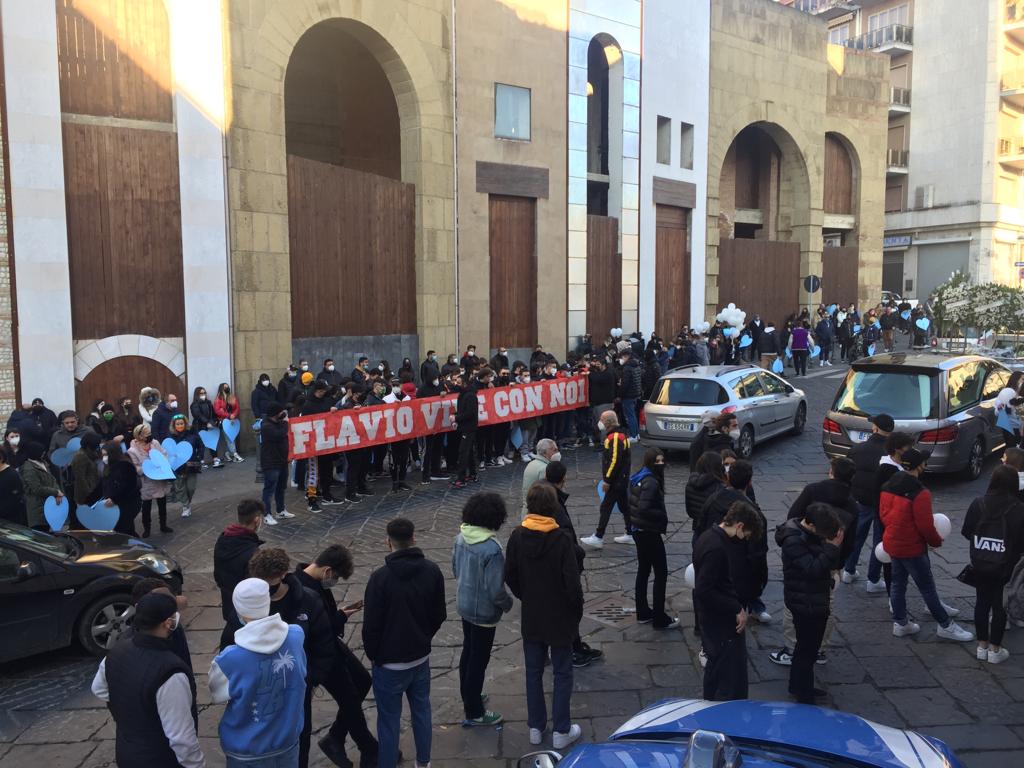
column 364, row 493
column 314, row 506
column 403, row 486
column 335, row 752
column 580, row 660
column 592, row 653
column 331, row 501
column 353, row 499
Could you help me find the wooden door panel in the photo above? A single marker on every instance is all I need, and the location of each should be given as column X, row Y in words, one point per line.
column 604, row 276
column 124, row 377
column 759, row 276
column 513, row 268
column 672, row 271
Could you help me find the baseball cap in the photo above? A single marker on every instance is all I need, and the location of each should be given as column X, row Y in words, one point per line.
column 153, row 609
column 884, row 422
column 914, row 458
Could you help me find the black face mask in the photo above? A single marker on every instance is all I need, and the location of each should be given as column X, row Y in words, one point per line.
column 273, row 588
column 658, row 470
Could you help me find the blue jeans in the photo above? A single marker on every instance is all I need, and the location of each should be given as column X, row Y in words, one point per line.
column 920, row 570
column 274, row 483
column 561, row 667
column 867, row 522
column 388, row 687
column 629, row 412
column 288, row 758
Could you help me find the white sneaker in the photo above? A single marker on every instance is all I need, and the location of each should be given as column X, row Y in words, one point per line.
column 593, row 541
column 186, row 511
column 216, row 463
column 563, row 740
column 903, row 630
column 874, row 587
column 702, row 658
column 950, row 610
column 238, row 459
column 536, row 736
column 764, row 617
column 270, row 520
column 998, row 657
column 624, row 539
column 982, row 653
column 954, row 632
column 284, row 514
column 849, row 578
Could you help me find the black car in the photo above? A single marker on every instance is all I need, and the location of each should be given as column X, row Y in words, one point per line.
column 56, row 588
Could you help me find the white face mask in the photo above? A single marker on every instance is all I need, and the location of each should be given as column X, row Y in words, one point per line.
column 556, row 456
column 734, row 434
column 177, row 620
column 305, row 366
column 14, row 440
column 526, row 379
column 172, row 404
column 202, row 398
column 106, row 459
column 396, row 390
column 435, row 382
column 330, row 367
column 265, row 383
column 329, row 583
column 380, row 367
column 602, row 426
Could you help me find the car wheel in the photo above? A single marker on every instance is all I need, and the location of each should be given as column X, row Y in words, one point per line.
column 975, row 459
column 745, row 443
column 104, row 621
column 800, row 420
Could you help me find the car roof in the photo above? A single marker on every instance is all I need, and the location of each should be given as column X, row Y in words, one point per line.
column 786, row 724
column 935, row 361
column 708, row 371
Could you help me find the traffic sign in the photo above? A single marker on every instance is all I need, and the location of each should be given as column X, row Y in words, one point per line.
column 812, row 283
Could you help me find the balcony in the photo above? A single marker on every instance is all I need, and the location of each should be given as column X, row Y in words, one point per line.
column 1014, row 22
column 896, row 40
column 1011, row 152
column 897, row 162
column 1011, row 87
column 899, row 101
column 825, row 9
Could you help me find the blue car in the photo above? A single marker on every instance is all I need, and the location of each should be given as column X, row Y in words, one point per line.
column 690, row 733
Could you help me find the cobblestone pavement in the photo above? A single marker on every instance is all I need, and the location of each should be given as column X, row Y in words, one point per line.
column 48, row 716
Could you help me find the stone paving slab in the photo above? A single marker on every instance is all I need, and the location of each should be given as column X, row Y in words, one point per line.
column 48, row 716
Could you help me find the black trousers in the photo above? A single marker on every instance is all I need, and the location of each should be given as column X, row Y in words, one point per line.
column 307, row 725
column 432, row 452
column 499, row 438
column 989, row 599
column 147, row 510
column 348, row 683
column 377, row 454
column 800, row 361
column 725, row 676
column 650, row 555
column 483, row 444
column 355, row 476
column 615, row 494
column 467, row 455
column 810, row 629
column 399, row 460
column 451, row 451
column 476, row 654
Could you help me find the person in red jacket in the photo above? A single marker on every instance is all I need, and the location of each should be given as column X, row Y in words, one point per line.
column 905, row 507
column 226, row 406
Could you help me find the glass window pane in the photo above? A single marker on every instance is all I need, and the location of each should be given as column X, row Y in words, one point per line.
column 511, row 112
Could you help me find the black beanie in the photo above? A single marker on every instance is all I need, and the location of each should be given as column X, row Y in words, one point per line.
column 153, row 609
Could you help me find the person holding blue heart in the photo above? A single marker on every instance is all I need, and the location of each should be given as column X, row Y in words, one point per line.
column 187, row 475
column 142, row 445
column 39, row 485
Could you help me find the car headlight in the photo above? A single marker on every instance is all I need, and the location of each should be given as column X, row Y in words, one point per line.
column 157, row 563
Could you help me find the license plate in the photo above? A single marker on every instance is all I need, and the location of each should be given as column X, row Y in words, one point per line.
column 859, row 437
column 679, row 426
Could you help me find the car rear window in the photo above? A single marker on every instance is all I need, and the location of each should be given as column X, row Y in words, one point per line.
column 901, row 394
column 689, row 391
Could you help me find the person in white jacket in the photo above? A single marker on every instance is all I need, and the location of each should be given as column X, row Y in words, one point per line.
column 262, row 677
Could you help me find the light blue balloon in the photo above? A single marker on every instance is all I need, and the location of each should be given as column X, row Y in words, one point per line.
column 74, row 444
column 56, row 512
column 871, row 350
column 815, row 351
column 157, row 467
column 210, row 438
column 777, row 366
column 61, row 457
column 856, row 328
column 832, row 308
column 727, row 332
column 923, row 323
column 877, row 324
column 98, row 517
column 905, row 314
column 231, row 429
column 745, row 341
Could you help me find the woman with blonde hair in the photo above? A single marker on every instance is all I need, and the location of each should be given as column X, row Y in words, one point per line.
column 142, row 446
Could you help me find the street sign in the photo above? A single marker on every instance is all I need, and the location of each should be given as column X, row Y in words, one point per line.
column 812, row 283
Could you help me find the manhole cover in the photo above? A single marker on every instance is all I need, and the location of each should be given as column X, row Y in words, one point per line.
column 612, row 611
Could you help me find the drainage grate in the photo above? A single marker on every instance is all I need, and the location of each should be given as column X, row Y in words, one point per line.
column 613, row 610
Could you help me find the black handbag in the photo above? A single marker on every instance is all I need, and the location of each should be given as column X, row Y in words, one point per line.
column 968, row 576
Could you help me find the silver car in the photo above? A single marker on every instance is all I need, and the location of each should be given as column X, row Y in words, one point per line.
column 765, row 405
column 946, row 403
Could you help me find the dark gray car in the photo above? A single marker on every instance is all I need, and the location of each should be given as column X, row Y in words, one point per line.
column 946, row 403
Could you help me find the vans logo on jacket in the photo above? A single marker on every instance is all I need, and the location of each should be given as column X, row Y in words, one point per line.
column 989, row 544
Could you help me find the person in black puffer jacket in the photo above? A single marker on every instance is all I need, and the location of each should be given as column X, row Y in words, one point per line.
column 630, row 391
column 649, row 519
column 866, row 490
column 810, row 552
column 466, row 417
column 717, row 434
column 702, row 485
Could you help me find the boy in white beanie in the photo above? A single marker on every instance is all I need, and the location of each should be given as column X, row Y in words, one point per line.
column 262, row 677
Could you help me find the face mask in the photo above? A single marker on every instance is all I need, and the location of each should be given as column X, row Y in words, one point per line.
column 274, row 588
column 380, row 367
column 602, row 426
column 292, row 374
column 330, row 368
column 433, row 358
column 14, row 441
column 37, row 409
column 472, row 352
column 305, row 366
column 329, row 583
column 172, row 404
column 526, row 379
column 227, row 390
column 265, row 383
column 502, row 351
column 556, row 456
column 396, row 390
column 147, row 439
column 435, row 382
column 734, row 434
column 108, row 416
column 106, row 459
column 202, row 398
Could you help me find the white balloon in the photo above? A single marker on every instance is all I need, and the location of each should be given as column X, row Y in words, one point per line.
column 689, row 577
column 881, row 555
column 942, row 524
column 732, row 306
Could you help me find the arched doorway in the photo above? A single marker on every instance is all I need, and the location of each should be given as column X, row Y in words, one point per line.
column 351, row 217
column 840, row 257
column 124, row 377
column 763, row 201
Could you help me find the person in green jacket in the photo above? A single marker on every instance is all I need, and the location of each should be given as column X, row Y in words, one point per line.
column 39, row 485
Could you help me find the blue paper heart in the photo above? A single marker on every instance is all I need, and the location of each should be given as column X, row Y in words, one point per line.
column 74, row 444
column 56, row 512
column 157, row 467
column 210, row 438
column 856, row 328
column 877, row 324
column 745, row 342
column 177, row 453
column 832, row 308
column 905, row 314
column 871, row 350
column 789, row 353
column 231, row 429
column 815, row 351
column 61, row 457
column 516, row 437
column 98, row 517
column 600, row 495
column 777, row 366
column 923, row 323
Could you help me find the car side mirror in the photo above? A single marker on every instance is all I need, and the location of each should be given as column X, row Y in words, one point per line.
column 26, row 570
column 546, row 759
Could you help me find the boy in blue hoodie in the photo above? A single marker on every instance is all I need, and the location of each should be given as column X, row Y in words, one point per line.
column 262, row 677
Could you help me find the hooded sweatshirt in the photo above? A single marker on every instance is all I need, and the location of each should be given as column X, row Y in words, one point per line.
column 479, row 567
column 542, row 571
column 262, row 677
column 231, row 555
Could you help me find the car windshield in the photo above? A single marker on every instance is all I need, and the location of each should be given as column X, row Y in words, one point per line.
column 689, row 391
column 62, row 547
column 901, row 394
column 760, row 753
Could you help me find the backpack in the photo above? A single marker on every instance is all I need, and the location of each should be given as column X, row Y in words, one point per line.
column 989, row 552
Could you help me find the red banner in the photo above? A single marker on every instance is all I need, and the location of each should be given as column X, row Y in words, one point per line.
column 364, row 427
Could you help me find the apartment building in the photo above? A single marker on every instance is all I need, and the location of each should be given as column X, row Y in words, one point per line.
column 954, row 155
